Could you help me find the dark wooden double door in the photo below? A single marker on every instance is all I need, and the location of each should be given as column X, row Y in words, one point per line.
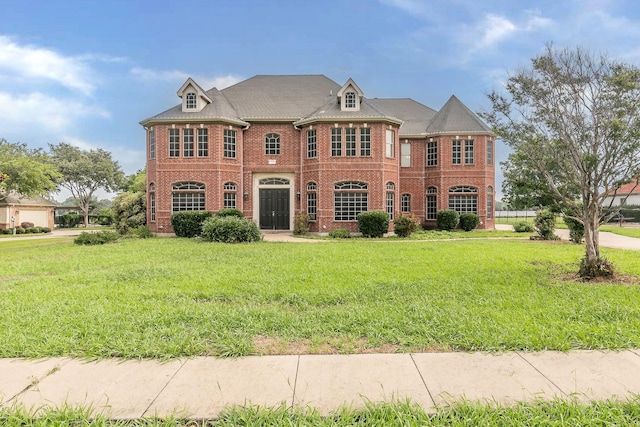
column 274, row 209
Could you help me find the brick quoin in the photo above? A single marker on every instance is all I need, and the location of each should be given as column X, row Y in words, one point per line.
column 251, row 163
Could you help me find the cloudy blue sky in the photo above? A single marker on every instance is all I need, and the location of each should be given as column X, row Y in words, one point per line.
column 86, row 72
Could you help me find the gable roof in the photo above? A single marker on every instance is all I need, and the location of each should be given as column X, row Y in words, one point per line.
column 631, row 188
column 191, row 82
column 353, row 85
column 456, row 118
column 18, row 199
column 303, row 99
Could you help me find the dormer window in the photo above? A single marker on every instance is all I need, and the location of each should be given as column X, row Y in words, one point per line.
column 194, row 99
column 350, row 100
column 191, row 101
column 350, row 96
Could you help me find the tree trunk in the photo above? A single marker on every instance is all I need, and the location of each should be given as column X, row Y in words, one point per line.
column 593, row 266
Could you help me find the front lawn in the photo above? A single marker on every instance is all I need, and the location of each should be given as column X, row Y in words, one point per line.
column 170, row 297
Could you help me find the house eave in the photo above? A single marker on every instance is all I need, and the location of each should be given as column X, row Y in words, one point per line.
column 343, row 119
column 459, row 132
column 155, row 121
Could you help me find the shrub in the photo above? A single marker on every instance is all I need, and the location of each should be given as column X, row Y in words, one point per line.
column 545, row 224
column 129, row 211
column 99, row 238
column 523, row 227
column 405, row 225
column 340, row 233
column 70, row 219
column 7, row 231
column 576, row 229
column 469, row 221
column 46, row 230
column 447, row 220
column 300, row 224
column 142, row 232
column 26, row 225
column 229, row 212
column 189, row 223
column 33, row 230
column 230, row 229
column 20, row 230
column 373, row 223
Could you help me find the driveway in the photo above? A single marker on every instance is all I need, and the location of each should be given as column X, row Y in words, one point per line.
column 607, row 240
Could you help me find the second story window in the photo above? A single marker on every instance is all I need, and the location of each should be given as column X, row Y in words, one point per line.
column 174, row 142
column 312, row 144
column 390, row 143
column 365, row 141
column 272, row 144
column 432, row 153
column 191, row 101
column 350, row 141
column 468, row 152
column 203, row 142
column 336, row 142
column 229, row 142
column 456, row 152
column 489, row 152
column 405, row 153
column 152, row 144
column 188, row 143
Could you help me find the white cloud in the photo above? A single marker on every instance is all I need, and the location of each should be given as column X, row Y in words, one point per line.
column 39, row 110
column 31, row 62
column 130, row 160
column 219, row 82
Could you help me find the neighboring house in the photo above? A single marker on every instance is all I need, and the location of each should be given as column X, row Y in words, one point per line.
column 273, row 146
column 36, row 210
column 628, row 194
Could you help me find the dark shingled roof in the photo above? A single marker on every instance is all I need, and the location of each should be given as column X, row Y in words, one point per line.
column 455, row 117
column 306, row 98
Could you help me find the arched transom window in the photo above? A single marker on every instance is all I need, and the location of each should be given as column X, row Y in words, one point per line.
column 463, row 199
column 350, row 199
column 187, row 196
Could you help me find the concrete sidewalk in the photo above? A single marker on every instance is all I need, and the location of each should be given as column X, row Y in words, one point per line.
column 200, row 388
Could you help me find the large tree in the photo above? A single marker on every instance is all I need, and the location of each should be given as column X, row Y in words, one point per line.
column 85, row 172
column 25, row 171
column 572, row 119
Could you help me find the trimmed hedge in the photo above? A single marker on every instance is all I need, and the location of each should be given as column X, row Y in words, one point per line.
column 447, row 220
column 469, row 221
column 189, row 223
column 230, row 229
column 523, row 227
column 373, row 223
column 229, row 212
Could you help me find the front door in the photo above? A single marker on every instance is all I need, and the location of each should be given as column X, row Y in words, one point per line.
column 274, row 209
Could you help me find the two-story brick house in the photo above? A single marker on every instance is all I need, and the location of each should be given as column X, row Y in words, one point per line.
column 272, row 146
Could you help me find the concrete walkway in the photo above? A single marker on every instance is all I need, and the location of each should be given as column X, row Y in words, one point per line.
column 200, row 388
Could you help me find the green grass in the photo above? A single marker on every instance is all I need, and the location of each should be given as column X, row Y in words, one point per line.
column 554, row 413
column 622, row 231
column 166, row 298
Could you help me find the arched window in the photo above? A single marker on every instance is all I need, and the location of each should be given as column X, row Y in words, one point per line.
column 152, row 202
column 463, row 199
column 272, row 144
column 191, row 101
column 187, row 196
column 350, row 100
column 405, row 203
column 274, row 181
column 432, row 203
column 350, row 199
column 229, row 201
column 312, row 200
column 390, row 199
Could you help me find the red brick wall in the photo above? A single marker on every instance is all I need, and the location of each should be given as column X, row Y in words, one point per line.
column 325, row 170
